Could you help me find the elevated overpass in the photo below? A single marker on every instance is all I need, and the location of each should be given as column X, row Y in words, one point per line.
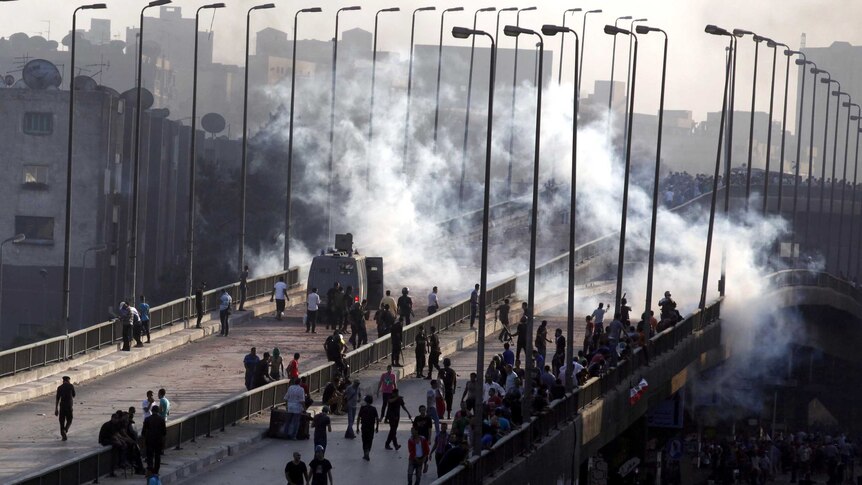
column 593, row 258
column 598, row 412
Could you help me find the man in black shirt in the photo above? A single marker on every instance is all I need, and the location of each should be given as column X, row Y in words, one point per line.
column 433, row 352
column 423, row 423
column 421, row 349
column 320, row 468
column 243, row 288
column 295, row 471
column 449, row 378
column 405, row 306
column 396, row 335
column 199, row 303
column 154, row 432
column 63, row 405
column 453, row 458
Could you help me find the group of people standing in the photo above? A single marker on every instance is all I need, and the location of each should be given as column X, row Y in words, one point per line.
column 261, row 370
column 135, row 323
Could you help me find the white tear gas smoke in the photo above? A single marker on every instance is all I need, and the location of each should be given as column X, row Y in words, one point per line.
column 396, row 217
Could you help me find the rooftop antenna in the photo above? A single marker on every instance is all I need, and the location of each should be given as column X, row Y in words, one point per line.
column 48, row 36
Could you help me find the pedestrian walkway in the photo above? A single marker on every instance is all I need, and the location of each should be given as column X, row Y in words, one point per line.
column 242, row 451
column 196, row 373
column 265, row 460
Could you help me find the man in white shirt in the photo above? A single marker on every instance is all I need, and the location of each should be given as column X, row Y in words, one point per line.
column 578, row 369
column 295, row 399
column 433, row 303
column 511, row 379
column 147, row 404
column 490, row 384
column 313, row 303
column 279, row 293
column 598, row 319
column 224, row 312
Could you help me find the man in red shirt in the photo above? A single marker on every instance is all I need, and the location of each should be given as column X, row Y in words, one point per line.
column 293, row 367
column 418, row 459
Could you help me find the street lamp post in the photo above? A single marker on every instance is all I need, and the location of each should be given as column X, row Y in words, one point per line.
column 722, row 285
column 332, row 122
column 497, row 28
column 774, row 46
column 244, row 168
column 190, row 230
column 837, row 95
column 613, row 62
column 611, row 30
column 827, row 233
column 713, row 30
column 551, row 30
column 800, row 62
column 439, row 70
column 643, row 29
column 463, row 33
column 827, row 80
column 757, row 40
column 563, row 41
column 373, row 83
column 515, row 31
column 627, row 125
column 136, row 169
column 467, row 112
column 287, row 201
column 583, row 45
column 858, row 119
column 783, row 129
column 848, row 104
column 67, row 230
column 14, row 240
column 410, row 88
column 512, row 115
column 815, row 71
column 97, row 248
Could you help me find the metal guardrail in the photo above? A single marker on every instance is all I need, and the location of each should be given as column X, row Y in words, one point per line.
column 804, row 277
column 203, row 422
column 515, row 444
column 97, row 336
column 64, row 347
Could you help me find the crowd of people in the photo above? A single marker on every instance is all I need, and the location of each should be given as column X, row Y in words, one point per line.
column 121, row 433
column 801, row 455
column 680, row 187
column 135, row 323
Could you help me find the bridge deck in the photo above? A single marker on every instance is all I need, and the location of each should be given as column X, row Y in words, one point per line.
column 195, row 375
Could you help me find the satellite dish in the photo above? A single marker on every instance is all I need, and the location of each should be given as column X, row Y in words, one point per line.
column 213, row 123
column 41, row 74
column 85, row 83
column 9, row 80
column 106, row 89
column 146, row 98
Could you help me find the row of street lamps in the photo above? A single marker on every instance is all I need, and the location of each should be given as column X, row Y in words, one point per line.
column 728, row 112
column 550, row 30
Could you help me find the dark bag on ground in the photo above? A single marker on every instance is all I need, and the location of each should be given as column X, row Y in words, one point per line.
column 304, row 431
column 278, row 420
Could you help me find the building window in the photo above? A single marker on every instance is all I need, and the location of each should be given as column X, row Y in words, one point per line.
column 35, row 176
column 37, row 229
column 38, row 123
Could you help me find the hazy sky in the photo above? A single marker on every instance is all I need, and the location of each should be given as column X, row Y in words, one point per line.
column 695, row 60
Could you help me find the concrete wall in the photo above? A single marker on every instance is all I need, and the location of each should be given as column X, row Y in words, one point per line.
column 601, row 422
column 31, row 296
